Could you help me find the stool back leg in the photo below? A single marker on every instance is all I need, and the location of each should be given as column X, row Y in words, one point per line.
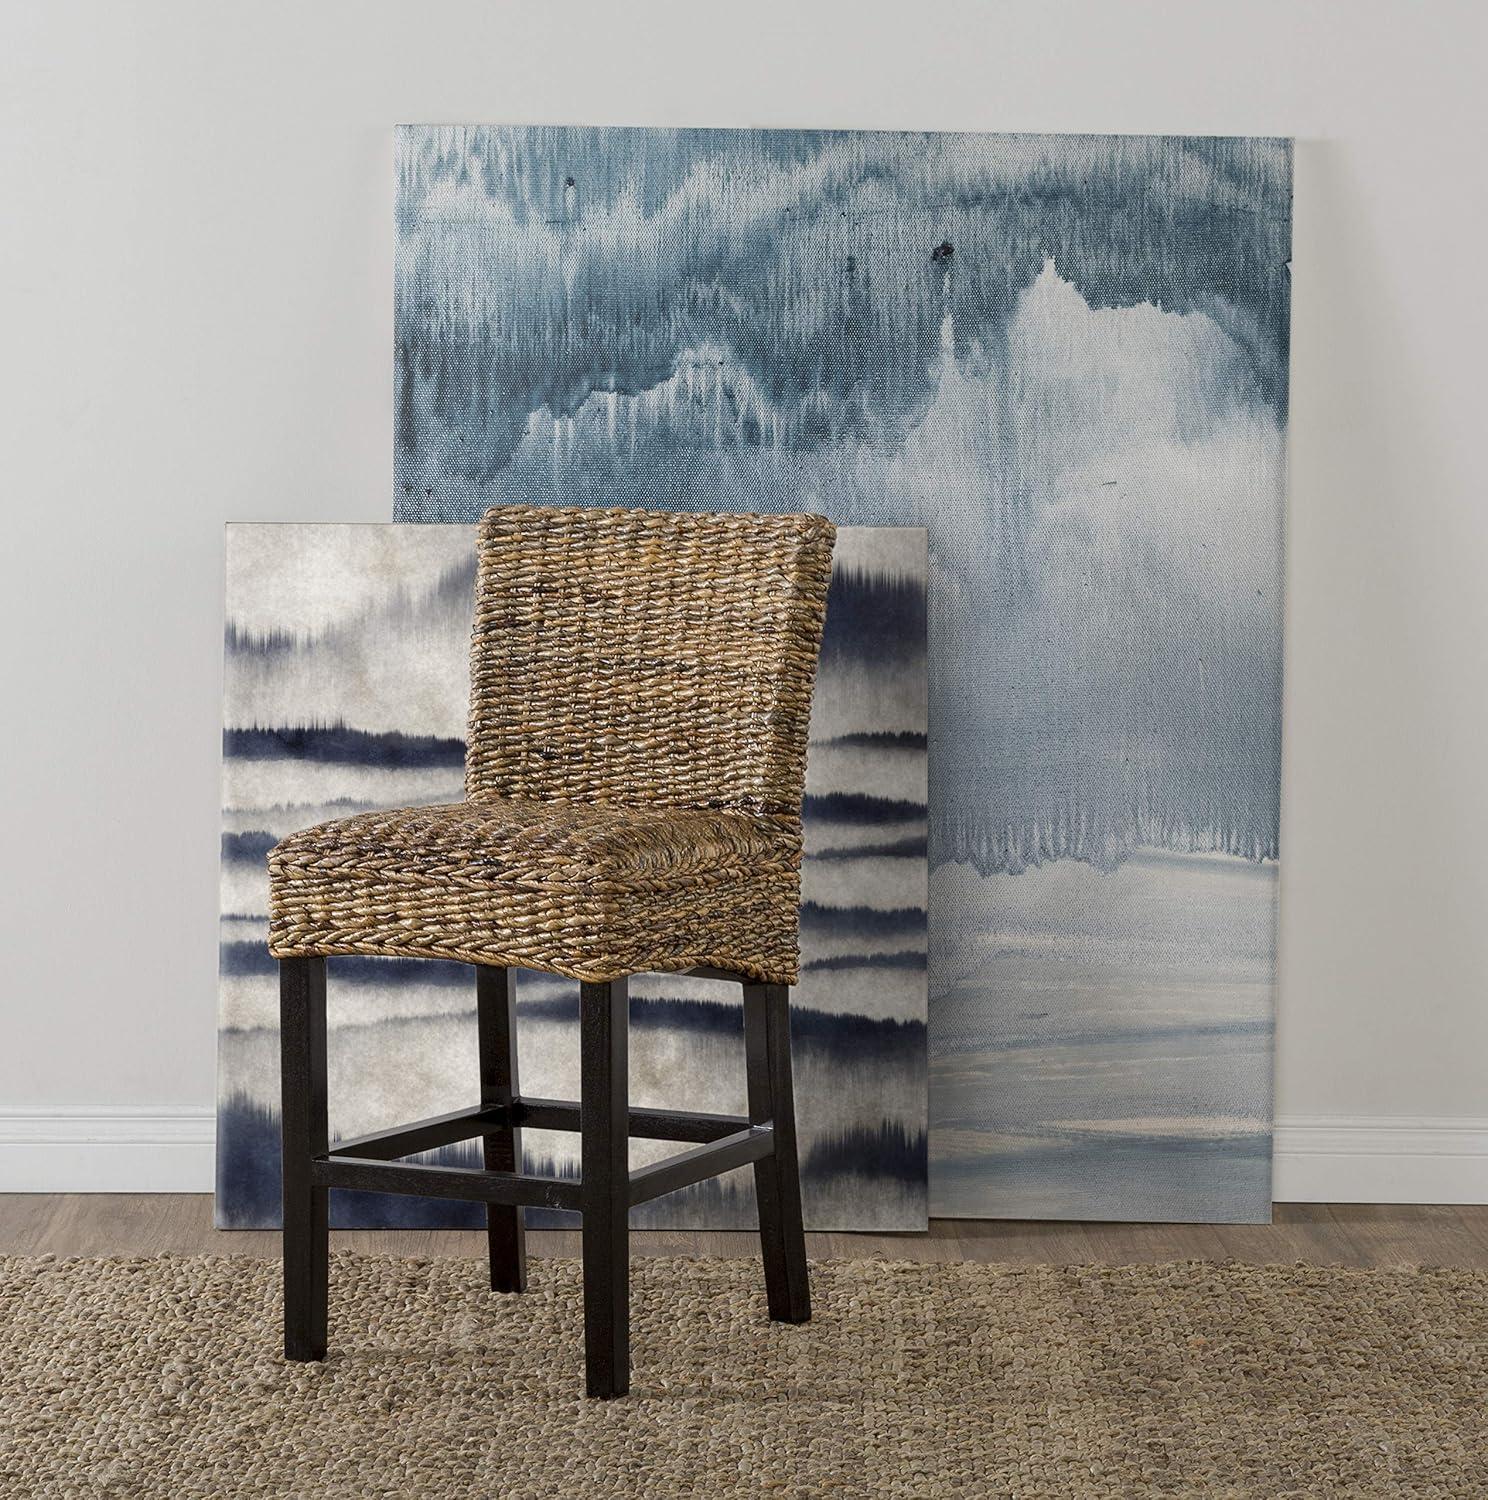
column 501, row 1150
column 304, row 1133
column 777, row 1177
column 604, row 1130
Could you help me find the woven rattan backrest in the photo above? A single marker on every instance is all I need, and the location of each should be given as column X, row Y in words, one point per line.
column 645, row 658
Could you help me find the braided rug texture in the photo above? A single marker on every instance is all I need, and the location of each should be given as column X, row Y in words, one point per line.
column 640, row 704
column 163, row 1376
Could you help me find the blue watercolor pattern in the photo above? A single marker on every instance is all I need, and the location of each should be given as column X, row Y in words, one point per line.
column 1066, row 357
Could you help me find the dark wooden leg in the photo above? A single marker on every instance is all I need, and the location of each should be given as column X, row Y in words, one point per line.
column 604, row 1125
column 304, row 1133
column 777, row 1178
column 496, row 1012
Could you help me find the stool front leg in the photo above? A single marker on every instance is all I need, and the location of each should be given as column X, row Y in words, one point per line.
column 496, row 1012
column 604, row 1127
column 777, row 1177
column 304, row 1133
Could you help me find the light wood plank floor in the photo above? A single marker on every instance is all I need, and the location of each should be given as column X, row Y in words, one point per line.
column 1344, row 1234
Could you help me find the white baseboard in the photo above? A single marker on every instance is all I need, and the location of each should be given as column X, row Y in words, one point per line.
column 1317, row 1158
column 1380, row 1159
column 78, row 1149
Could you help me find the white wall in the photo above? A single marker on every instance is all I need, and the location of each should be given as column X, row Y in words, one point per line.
column 195, row 326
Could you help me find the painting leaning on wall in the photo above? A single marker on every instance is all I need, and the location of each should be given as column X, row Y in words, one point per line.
column 346, row 685
column 1066, row 357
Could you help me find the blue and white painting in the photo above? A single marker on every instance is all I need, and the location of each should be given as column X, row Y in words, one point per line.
column 1065, row 356
column 346, row 684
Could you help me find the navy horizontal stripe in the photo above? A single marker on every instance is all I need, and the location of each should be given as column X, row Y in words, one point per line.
column 909, row 848
column 904, row 958
column 336, row 744
column 859, row 807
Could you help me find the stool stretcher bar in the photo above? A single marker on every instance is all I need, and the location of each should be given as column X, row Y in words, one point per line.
column 750, row 1144
column 535, row 1114
column 645, row 1124
column 423, row 1135
column 367, row 1163
column 366, row 1175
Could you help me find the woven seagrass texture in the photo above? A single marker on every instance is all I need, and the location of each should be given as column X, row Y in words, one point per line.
column 639, row 710
column 164, row 1377
column 646, row 658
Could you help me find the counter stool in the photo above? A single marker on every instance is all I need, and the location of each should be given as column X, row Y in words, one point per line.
column 640, row 697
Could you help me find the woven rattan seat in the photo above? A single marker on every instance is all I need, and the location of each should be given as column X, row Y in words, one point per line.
column 591, row 892
column 640, row 699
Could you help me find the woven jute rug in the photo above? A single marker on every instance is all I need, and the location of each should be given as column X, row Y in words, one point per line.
column 163, row 1377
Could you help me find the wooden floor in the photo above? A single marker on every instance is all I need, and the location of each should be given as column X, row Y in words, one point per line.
column 1344, row 1234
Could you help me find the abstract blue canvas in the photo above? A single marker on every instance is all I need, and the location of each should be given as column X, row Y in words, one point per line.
column 1066, row 357
column 345, row 689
